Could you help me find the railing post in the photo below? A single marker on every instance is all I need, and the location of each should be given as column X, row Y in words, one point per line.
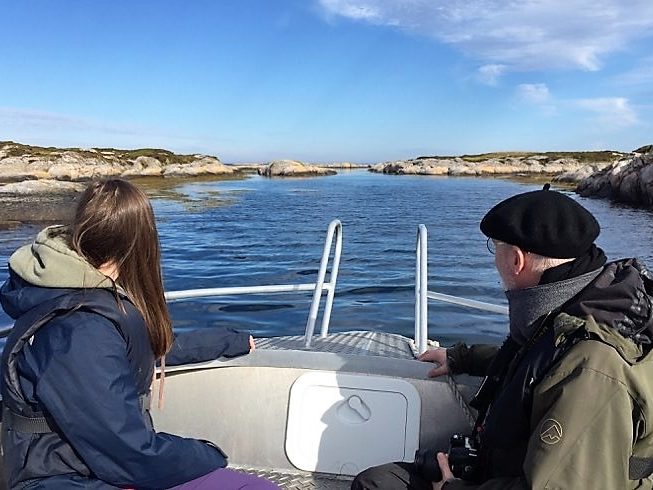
column 421, row 288
column 319, row 286
column 326, row 316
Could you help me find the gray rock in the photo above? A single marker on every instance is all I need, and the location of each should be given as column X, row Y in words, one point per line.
column 292, row 168
column 627, row 180
column 37, row 187
column 537, row 164
column 21, row 162
column 202, row 166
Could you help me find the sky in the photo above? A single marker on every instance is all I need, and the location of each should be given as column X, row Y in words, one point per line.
column 328, row 80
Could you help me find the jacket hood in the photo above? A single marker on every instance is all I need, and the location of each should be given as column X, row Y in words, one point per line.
column 618, row 305
column 45, row 269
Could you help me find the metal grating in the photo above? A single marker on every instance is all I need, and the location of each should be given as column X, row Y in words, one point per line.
column 356, row 343
column 300, row 481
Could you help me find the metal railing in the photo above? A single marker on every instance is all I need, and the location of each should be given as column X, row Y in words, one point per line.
column 334, row 229
column 422, row 293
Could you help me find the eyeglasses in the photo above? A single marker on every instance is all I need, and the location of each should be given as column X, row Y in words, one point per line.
column 491, row 246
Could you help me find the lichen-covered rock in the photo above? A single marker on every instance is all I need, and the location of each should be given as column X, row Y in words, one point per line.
column 292, row 168
column 144, row 166
column 628, row 179
column 44, row 186
column 534, row 164
column 201, row 166
column 22, row 162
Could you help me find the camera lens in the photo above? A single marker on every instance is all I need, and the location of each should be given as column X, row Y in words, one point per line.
column 427, row 465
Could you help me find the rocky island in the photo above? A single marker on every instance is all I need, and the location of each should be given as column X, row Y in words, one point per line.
column 504, row 163
column 39, row 184
column 623, row 177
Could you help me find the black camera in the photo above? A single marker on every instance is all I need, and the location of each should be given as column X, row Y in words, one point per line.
column 463, row 459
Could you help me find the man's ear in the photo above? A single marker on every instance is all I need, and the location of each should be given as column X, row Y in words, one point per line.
column 518, row 260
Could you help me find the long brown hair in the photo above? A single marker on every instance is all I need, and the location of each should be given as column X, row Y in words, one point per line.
column 114, row 222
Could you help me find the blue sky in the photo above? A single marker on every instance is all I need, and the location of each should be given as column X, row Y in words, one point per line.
column 328, row 80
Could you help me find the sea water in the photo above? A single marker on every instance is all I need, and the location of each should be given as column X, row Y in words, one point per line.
column 260, row 231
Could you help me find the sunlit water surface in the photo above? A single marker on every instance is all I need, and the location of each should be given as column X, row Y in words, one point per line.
column 260, row 231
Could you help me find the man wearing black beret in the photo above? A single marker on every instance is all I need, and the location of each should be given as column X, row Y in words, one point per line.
column 567, row 401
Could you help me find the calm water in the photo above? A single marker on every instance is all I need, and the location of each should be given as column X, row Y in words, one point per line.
column 260, row 231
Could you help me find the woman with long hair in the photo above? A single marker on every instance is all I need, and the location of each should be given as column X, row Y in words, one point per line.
column 91, row 321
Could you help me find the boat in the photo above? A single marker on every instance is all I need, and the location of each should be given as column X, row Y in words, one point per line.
column 312, row 411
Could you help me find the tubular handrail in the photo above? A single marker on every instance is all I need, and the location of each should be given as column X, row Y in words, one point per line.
column 335, row 228
column 421, row 289
column 422, row 294
column 233, row 291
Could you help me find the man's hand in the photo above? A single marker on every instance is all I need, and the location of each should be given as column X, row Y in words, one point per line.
column 252, row 344
column 447, row 475
column 438, row 356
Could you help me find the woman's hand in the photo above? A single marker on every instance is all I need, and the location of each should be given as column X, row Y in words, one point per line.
column 252, row 344
column 438, row 356
column 447, row 475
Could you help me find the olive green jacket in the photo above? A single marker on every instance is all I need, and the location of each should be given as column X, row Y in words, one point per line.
column 590, row 414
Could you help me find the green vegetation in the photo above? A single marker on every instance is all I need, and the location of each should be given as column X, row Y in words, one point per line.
column 166, row 157
column 581, row 156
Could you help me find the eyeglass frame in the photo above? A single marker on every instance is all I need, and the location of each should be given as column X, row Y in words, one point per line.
column 492, row 246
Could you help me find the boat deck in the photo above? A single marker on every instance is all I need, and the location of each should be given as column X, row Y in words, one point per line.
column 358, row 343
column 361, row 343
column 300, row 480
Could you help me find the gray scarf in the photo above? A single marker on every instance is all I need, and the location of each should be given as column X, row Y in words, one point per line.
column 527, row 305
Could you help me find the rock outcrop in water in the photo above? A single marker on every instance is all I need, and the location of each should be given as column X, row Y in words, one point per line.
column 22, row 162
column 41, row 184
column 292, row 168
column 489, row 164
column 629, row 179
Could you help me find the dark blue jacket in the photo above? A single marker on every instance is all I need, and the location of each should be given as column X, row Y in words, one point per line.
column 85, row 371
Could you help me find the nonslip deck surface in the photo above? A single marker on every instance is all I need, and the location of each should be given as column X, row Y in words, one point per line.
column 300, row 481
column 354, row 343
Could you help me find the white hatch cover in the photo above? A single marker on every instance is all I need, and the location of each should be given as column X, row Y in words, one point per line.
column 345, row 423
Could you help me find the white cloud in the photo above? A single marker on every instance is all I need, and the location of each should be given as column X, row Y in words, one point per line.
column 520, row 34
column 534, row 93
column 610, row 112
column 490, row 74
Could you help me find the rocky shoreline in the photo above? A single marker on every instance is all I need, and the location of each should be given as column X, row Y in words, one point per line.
column 40, row 184
column 571, row 165
column 621, row 177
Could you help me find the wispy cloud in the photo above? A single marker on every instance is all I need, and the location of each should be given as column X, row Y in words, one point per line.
column 534, row 93
column 539, row 96
column 610, row 112
column 490, row 74
column 517, row 34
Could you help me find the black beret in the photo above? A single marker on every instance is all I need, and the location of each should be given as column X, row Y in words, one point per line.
column 544, row 222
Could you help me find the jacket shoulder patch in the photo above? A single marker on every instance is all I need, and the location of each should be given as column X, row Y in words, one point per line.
column 551, row 432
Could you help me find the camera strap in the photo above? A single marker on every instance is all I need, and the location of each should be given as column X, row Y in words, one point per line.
column 503, row 367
